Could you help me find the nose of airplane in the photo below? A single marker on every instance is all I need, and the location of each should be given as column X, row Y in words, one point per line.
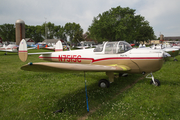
column 165, row 54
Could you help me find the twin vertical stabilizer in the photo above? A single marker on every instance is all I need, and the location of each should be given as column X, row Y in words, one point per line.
column 23, row 53
column 23, row 50
column 59, row 46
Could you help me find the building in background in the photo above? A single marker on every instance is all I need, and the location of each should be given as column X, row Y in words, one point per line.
column 29, row 41
column 169, row 38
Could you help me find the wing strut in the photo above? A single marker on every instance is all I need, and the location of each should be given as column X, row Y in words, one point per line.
column 86, row 92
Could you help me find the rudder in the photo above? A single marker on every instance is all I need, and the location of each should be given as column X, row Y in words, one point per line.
column 23, row 51
column 58, row 47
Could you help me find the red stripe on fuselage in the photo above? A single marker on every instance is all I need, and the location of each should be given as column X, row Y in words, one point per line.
column 102, row 59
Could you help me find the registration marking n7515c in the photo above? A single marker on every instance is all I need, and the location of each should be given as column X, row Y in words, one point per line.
column 69, row 58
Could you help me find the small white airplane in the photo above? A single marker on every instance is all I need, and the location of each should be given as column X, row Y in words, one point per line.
column 11, row 48
column 172, row 51
column 111, row 57
column 172, row 44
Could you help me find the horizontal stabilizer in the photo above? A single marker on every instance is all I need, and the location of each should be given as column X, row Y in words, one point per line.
column 23, row 50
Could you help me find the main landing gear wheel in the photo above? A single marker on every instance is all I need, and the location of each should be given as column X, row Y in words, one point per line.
column 157, row 83
column 175, row 60
column 103, row 83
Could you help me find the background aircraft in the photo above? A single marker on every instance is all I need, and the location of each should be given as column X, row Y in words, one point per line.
column 171, row 50
column 111, row 57
column 11, row 48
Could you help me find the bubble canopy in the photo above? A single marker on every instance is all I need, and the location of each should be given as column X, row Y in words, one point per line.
column 113, row 47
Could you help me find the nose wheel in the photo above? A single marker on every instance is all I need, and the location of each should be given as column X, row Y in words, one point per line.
column 175, row 59
column 157, row 83
column 153, row 81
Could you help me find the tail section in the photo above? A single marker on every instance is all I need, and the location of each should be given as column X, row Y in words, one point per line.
column 23, row 50
column 59, row 46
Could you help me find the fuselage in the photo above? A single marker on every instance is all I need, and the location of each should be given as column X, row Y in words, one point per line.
column 9, row 48
column 138, row 60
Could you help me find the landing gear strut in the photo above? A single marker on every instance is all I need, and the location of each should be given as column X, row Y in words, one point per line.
column 153, row 81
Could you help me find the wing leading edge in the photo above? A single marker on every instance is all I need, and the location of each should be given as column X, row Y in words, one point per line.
column 61, row 67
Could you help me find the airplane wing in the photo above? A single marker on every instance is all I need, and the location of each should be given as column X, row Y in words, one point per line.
column 62, row 67
column 8, row 51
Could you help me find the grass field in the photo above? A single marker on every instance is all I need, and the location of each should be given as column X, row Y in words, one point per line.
column 36, row 95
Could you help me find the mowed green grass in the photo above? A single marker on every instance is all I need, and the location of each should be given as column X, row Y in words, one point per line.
column 36, row 95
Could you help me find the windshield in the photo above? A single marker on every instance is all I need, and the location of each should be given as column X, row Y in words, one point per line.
column 111, row 48
column 123, row 47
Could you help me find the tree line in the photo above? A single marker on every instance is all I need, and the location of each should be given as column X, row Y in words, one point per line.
column 45, row 31
column 121, row 24
column 112, row 25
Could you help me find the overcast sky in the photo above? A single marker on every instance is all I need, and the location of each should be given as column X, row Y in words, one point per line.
column 163, row 15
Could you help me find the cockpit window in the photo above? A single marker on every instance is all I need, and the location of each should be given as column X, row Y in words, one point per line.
column 111, row 48
column 99, row 48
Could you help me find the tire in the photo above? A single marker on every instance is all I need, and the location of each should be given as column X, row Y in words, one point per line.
column 157, row 82
column 175, row 60
column 103, row 83
column 120, row 74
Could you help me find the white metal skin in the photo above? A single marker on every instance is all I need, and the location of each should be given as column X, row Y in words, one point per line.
column 111, row 57
column 88, row 56
column 12, row 48
column 9, row 48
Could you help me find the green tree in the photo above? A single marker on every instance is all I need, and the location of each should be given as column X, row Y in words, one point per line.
column 7, row 32
column 71, row 29
column 49, row 29
column 34, row 32
column 145, row 33
column 119, row 24
column 78, row 36
column 60, row 33
column 38, row 35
